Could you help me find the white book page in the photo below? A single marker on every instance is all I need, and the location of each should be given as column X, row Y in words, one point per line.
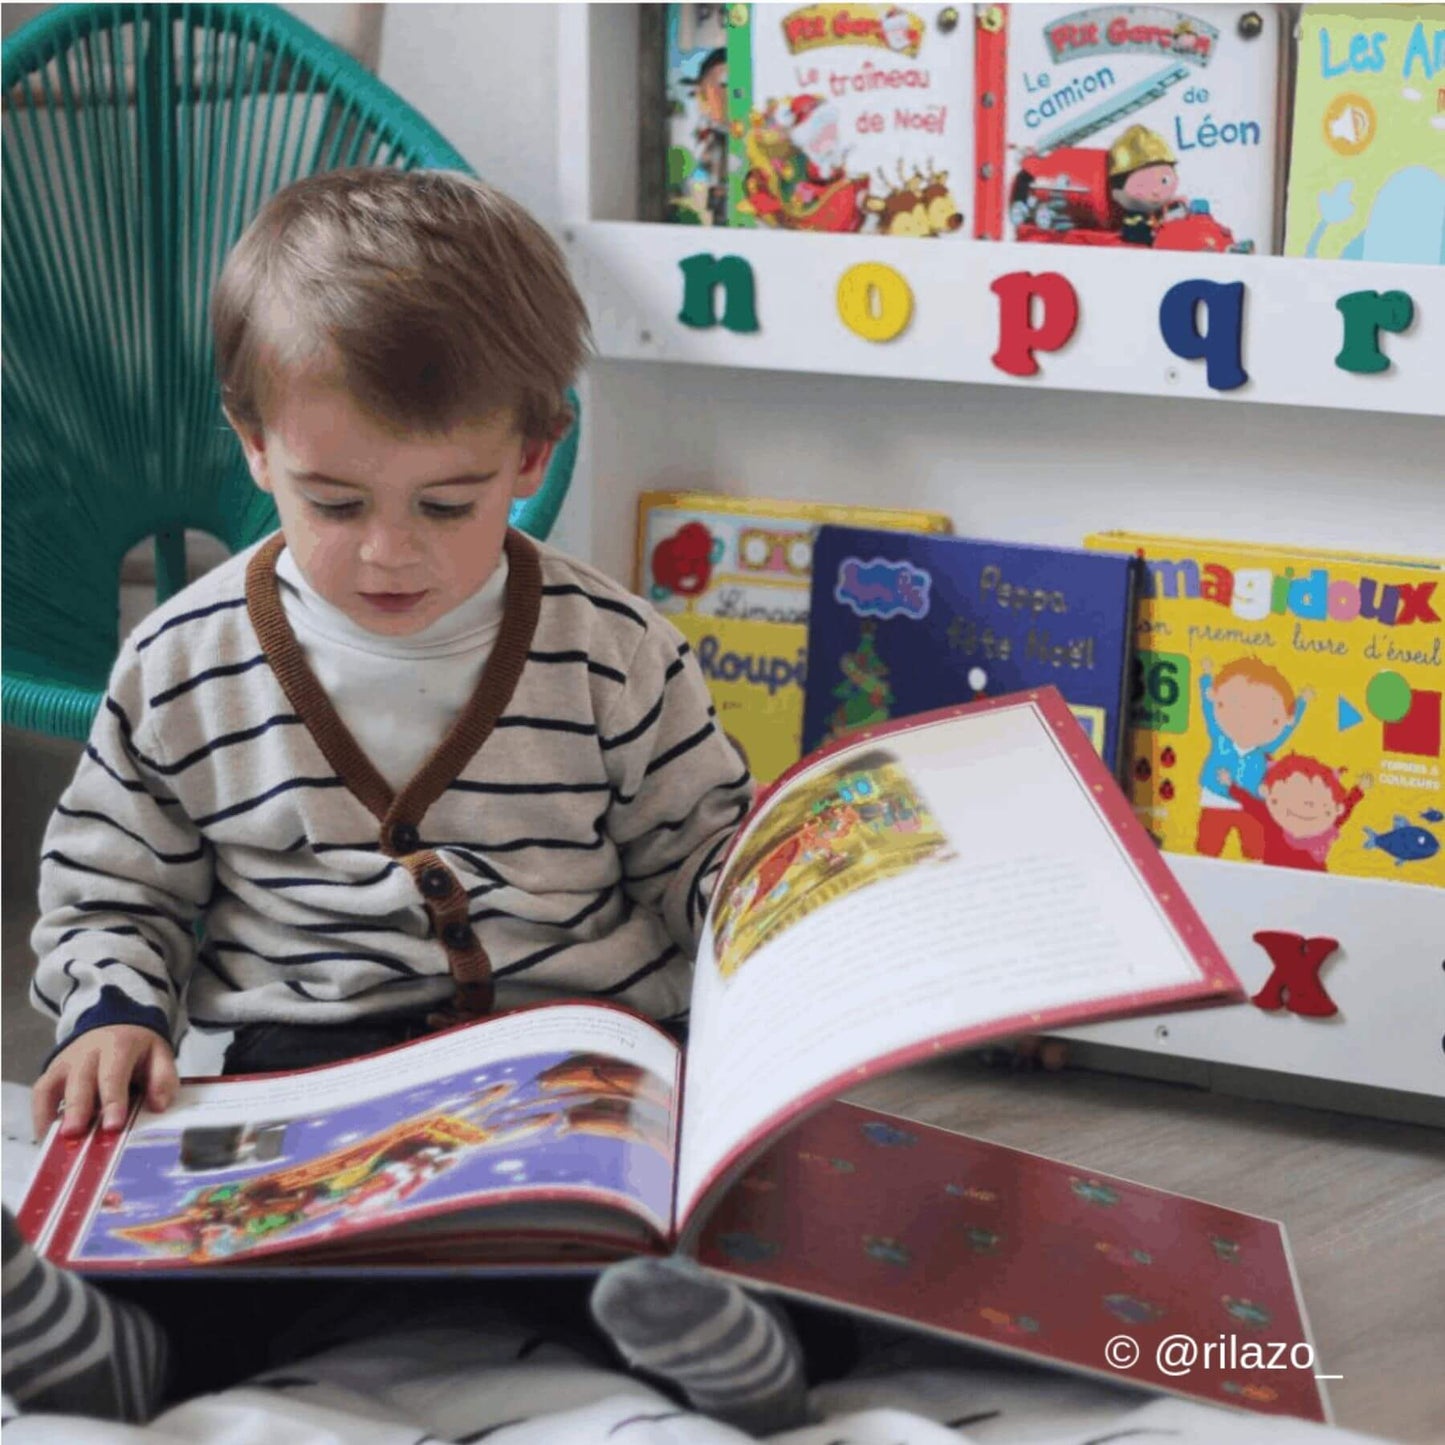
column 1006, row 894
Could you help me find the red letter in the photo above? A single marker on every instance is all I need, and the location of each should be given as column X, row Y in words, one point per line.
column 1018, row 337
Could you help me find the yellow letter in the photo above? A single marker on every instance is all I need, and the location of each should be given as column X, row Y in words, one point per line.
column 874, row 301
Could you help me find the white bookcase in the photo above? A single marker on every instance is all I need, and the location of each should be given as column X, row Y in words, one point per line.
column 1115, row 431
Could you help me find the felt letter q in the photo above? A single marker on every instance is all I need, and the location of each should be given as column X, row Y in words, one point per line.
column 1220, row 344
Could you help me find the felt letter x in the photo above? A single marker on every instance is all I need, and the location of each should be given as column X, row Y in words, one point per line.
column 1295, row 983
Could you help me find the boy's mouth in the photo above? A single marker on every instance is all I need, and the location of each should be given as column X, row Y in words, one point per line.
column 392, row 601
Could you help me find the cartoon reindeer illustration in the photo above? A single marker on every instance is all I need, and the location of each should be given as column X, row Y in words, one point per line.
column 917, row 205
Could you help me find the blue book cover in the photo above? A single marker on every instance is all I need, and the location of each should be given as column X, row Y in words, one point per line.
column 901, row 623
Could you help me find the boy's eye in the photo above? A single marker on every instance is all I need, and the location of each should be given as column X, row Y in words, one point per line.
column 334, row 510
column 444, row 511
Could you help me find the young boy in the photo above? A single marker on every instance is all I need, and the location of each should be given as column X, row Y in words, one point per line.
column 402, row 765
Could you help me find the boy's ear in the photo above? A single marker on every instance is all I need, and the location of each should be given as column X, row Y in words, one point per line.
column 535, row 458
column 253, row 445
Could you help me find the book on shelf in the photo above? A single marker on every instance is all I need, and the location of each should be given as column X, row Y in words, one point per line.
column 732, row 574
column 902, row 623
column 851, row 118
column 960, row 877
column 1367, row 156
column 1110, row 125
column 684, row 104
column 1286, row 706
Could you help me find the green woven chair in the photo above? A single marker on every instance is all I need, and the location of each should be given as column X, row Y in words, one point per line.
column 139, row 140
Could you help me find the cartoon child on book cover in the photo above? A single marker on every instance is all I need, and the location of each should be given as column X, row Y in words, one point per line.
column 1250, row 710
column 1300, row 811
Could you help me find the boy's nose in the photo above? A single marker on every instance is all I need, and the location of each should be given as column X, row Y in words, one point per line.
column 390, row 547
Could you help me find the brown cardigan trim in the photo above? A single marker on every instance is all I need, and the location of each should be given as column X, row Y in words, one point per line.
column 298, row 682
column 494, row 689
column 521, row 607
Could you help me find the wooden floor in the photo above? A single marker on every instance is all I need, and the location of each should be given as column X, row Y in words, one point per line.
column 1363, row 1203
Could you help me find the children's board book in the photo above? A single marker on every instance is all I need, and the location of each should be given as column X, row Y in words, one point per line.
column 732, row 574
column 901, row 623
column 1286, row 706
column 1133, row 125
column 1367, row 161
column 851, row 118
column 695, row 64
column 865, row 919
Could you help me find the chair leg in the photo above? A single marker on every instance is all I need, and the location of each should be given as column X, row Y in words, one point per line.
column 170, row 562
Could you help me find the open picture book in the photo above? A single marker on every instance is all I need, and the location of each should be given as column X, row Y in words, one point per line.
column 960, row 877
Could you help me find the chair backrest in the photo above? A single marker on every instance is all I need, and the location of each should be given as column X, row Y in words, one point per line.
column 139, row 141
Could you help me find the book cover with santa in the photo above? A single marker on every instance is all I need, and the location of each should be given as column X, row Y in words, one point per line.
column 1130, row 125
column 851, row 118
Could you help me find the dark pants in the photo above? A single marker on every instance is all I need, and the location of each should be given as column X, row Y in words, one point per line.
column 225, row 1330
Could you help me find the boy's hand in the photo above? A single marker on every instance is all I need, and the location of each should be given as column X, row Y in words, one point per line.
column 96, row 1071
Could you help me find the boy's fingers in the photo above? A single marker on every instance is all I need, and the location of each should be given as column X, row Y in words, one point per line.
column 117, row 1068
column 79, row 1095
column 162, row 1081
column 45, row 1099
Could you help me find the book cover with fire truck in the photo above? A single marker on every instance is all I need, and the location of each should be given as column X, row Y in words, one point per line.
column 851, row 118
column 1367, row 160
column 1120, row 125
column 1286, row 706
column 732, row 574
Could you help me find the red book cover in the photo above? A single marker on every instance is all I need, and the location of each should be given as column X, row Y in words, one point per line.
column 1011, row 1251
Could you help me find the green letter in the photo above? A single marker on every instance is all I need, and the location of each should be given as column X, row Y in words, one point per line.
column 1366, row 314
column 701, row 275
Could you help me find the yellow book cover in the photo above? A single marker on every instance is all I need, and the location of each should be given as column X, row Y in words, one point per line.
column 732, row 573
column 1367, row 159
column 1286, row 705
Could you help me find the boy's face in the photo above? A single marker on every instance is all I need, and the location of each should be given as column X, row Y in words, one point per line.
column 395, row 530
column 1250, row 713
column 1302, row 806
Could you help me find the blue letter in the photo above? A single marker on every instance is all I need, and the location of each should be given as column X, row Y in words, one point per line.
column 1220, row 344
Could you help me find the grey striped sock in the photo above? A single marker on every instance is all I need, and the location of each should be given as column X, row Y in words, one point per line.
column 734, row 1357
column 67, row 1348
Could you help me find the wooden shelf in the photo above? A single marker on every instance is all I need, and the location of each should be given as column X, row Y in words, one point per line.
column 631, row 278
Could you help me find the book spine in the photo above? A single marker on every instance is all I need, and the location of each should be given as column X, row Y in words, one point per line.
column 740, row 105
column 990, row 119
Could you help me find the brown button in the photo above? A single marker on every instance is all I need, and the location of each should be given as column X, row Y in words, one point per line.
column 436, row 883
column 459, row 936
column 405, row 838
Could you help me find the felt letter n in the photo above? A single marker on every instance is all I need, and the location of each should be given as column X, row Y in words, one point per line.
column 701, row 276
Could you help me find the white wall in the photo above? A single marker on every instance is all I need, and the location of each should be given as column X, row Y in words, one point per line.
column 486, row 77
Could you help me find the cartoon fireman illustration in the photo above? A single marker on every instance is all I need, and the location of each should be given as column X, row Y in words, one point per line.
column 1143, row 183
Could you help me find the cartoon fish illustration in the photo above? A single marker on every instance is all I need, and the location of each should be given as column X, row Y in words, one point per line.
column 746, row 1247
column 877, row 1132
column 1406, row 842
column 889, row 1250
column 1433, row 815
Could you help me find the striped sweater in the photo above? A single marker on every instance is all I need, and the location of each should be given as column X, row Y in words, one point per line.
column 226, row 854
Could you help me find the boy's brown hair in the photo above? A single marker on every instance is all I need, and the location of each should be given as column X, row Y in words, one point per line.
column 1259, row 672
column 430, row 297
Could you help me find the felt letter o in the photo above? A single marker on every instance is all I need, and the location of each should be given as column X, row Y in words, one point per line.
column 874, row 301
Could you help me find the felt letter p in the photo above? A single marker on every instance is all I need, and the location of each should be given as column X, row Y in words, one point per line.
column 1221, row 343
column 1018, row 337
